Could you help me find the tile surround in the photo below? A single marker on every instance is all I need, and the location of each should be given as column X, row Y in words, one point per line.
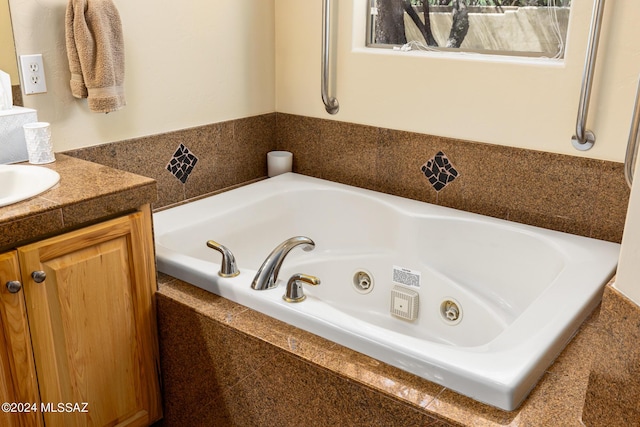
column 217, row 375
column 573, row 194
column 566, row 193
column 229, row 153
column 238, row 389
column 613, row 394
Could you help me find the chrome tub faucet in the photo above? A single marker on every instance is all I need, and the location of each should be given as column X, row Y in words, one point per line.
column 267, row 275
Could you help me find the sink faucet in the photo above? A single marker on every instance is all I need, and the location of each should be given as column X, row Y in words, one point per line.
column 267, row 275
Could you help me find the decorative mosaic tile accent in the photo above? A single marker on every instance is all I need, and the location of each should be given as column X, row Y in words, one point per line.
column 439, row 171
column 182, row 163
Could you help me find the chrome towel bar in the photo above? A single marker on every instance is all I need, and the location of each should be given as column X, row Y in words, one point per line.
column 584, row 139
column 632, row 145
column 330, row 103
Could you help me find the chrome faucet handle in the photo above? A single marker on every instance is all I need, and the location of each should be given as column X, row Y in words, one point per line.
column 295, row 292
column 228, row 267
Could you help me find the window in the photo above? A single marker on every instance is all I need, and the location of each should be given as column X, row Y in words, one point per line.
column 536, row 28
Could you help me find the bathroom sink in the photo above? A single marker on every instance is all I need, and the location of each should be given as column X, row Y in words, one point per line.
column 20, row 182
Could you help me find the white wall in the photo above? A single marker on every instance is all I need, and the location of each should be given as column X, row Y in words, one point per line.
column 188, row 63
column 509, row 102
column 234, row 48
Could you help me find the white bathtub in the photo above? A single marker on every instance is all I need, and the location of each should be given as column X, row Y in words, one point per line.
column 522, row 291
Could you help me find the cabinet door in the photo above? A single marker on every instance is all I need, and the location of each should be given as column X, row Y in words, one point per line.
column 92, row 323
column 18, row 385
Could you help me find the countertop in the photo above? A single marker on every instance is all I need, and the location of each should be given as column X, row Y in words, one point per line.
column 87, row 193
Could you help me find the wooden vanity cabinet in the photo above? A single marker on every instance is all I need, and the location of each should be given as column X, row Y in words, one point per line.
column 18, row 384
column 89, row 302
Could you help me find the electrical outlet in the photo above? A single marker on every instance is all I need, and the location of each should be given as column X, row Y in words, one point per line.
column 32, row 73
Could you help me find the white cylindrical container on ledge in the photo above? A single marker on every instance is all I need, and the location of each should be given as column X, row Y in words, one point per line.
column 39, row 144
column 279, row 162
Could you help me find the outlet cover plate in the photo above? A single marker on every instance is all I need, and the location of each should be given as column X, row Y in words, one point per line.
column 32, row 74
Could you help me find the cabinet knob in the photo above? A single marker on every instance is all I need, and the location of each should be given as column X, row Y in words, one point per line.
column 38, row 276
column 14, row 286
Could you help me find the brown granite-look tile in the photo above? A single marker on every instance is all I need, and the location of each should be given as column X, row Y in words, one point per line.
column 400, row 157
column 610, row 208
column 164, row 279
column 205, row 303
column 303, row 344
column 310, row 347
column 82, row 180
column 483, row 175
column 531, row 178
column 254, row 137
column 211, row 378
column 148, row 156
column 228, row 153
column 280, row 334
column 370, row 372
column 543, row 189
column 301, row 136
column 105, row 154
column 36, row 205
column 613, row 390
column 456, row 408
column 439, row 423
column 200, row 359
column 563, row 188
column 205, row 195
column 107, row 206
column 294, row 393
column 203, row 142
column 536, row 188
column 349, row 153
column 241, row 155
column 27, row 229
